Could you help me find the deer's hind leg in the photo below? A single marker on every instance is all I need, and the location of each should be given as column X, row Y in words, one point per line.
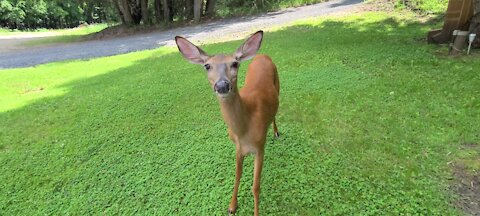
column 275, row 129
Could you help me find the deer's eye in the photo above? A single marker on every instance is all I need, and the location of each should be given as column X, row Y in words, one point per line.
column 235, row 65
column 207, row 66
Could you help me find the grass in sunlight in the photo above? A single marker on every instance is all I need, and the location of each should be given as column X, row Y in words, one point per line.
column 370, row 117
column 67, row 35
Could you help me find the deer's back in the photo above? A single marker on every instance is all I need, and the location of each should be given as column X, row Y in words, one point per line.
column 261, row 89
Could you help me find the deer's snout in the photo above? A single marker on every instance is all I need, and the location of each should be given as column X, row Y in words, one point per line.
column 222, row 86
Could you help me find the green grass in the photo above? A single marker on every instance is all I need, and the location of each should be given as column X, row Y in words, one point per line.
column 426, row 6
column 67, row 35
column 72, row 31
column 6, row 31
column 370, row 117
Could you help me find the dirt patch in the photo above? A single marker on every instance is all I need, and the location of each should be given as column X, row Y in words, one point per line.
column 32, row 90
column 466, row 183
column 467, row 187
column 378, row 5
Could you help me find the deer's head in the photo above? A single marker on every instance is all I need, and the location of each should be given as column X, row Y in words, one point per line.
column 221, row 69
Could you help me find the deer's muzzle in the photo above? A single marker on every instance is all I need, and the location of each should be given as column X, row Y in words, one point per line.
column 222, row 87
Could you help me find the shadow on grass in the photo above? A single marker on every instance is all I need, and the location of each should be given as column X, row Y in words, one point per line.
column 55, row 40
column 358, row 98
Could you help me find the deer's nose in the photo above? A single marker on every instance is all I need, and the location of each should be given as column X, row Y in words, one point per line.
column 222, row 86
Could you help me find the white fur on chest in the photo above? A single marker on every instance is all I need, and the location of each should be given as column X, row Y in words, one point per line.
column 246, row 148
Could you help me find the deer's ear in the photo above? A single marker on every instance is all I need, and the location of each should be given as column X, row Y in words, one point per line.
column 191, row 52
column 250, row 47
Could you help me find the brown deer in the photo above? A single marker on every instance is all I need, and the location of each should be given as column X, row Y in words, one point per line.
column 247, row 112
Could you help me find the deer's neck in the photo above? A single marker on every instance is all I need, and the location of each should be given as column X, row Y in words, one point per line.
column 234, row 113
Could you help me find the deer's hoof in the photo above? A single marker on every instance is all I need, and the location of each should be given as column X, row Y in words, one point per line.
column 232, row 209
column 277, row 134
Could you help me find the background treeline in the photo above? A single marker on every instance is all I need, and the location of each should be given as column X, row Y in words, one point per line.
column 33, row 14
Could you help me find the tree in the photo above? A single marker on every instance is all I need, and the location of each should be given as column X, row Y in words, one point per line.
column 6, row 13
column 210, row 11
column 56, row 15
column 259, row 3
column 33, row 14
column 197, row 10
column 125, row 11
column 158, row 10
column 189, row 9
column 144, row 6
column 166, row 10
column 476, row 4
column 167, row 14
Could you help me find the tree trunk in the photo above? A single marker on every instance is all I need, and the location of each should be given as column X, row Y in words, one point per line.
column 171, row 9
column 197, row 10
column 166, row 11
column 476, row 5
column 136, row 11
column 210, row 11
column 189, row 9
column 125, row 9
column 158, row 10
column 259, row 3
column 475, row 24
column 144, row 6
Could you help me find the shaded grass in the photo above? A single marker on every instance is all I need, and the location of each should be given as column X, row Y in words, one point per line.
column 368, row 115
column 6, row 31
column 73, row 31
column 67, row 36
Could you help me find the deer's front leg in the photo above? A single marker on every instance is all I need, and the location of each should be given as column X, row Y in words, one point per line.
column 232, row 208
column 257, row 172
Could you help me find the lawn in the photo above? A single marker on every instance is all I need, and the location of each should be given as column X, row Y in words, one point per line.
column 6, row 31
column 68, row 31
column 55, row 36
column 67, row 35
column 372, row 120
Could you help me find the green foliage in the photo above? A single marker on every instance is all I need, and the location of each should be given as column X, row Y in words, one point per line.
column 368, row 116
column 426, row 6
column 11, row 12
column 37, row 11
column 33, row 14
column 5, row 9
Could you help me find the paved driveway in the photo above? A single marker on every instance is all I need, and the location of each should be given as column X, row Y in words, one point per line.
column 234, row 28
